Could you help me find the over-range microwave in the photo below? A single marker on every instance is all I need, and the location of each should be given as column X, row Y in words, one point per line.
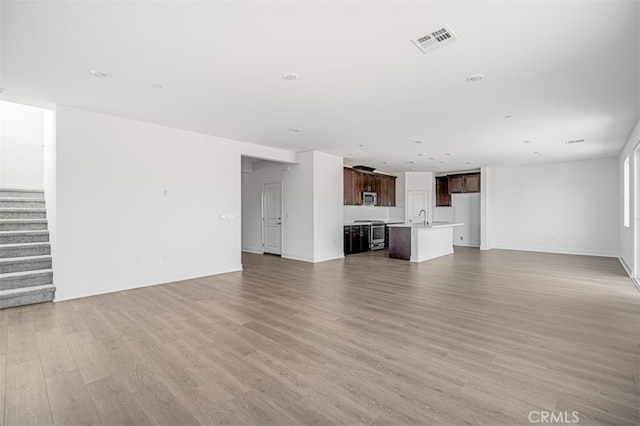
column 369, row 198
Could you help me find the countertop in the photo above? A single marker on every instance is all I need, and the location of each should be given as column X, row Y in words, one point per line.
column 431, row 225
column 364, row 223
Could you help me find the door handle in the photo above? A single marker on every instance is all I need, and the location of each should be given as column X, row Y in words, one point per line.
column 279, row 223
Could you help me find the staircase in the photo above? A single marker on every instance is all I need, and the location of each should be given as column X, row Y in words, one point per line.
column 26, row 276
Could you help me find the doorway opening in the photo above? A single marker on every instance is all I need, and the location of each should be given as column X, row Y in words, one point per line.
column 263, row 202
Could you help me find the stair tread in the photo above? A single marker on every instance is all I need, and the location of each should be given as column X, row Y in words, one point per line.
column 25, row 290
column 18, row 220
column 22, row 209
column 10, row 275
column 26, row 231
column 39, row 200
column 25, row 245
column 27, row 258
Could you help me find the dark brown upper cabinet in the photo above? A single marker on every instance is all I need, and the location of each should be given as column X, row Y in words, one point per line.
column 443, row 197
column 472, row 182
column 355, row 182
column 455, row 184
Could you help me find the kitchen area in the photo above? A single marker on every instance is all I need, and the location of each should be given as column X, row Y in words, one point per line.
column 416, row 221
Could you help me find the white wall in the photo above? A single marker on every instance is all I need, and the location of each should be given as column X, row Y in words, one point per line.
column 387, row 214
column 139, row 204
column 297, row 238
column 327, row 207
column 21, row 146
column 626, row 234
column 486, row 209
column 466, row 209
column 50, row 179
column 564, row 208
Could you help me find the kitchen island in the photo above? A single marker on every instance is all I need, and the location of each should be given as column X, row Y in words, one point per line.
column 419, row 242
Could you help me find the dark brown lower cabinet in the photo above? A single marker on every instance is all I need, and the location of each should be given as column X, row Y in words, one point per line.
column 400, row 242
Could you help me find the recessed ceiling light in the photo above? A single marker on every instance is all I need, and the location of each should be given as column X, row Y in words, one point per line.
column 408, row 162
column 432, row 158
column 475, row 77
column 100, row 74
column 423, row 154
column 527, row 141
column 385, row 162
column 290, row 76
column 448, row 153
column 418, row 141
column 469, row 162
column 348, row 155
column 295, row 129
column 360, row 145
column 443, row 162
column 508, row 116
column 158, row 86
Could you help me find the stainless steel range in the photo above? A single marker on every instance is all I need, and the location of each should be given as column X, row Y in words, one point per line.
column 376, row 233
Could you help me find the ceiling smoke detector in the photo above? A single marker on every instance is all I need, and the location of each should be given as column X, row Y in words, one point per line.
column 436, row 39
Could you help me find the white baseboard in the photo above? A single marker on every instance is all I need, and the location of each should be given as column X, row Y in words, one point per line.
column 253, row 250
column 556, row 250
column 626, row 266
column 431, row 255
column 75, row 293
column 311, row 259
column 474, row 245
column 297, row 257
column 629, row 272
column 328, row 257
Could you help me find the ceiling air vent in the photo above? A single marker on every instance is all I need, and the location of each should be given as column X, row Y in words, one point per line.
column 571, row 142
column 436, row 39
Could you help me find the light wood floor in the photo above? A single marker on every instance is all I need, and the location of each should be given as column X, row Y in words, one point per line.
column 470, row 338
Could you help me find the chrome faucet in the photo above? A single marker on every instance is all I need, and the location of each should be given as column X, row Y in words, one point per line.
column 424, row 222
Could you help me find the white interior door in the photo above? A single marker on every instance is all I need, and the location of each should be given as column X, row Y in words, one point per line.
column 418, row 201
column 272, row 217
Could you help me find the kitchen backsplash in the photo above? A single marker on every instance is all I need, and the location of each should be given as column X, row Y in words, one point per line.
column 387, row 214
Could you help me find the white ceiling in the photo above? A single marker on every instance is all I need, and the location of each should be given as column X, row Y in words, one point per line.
column 563, row 70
